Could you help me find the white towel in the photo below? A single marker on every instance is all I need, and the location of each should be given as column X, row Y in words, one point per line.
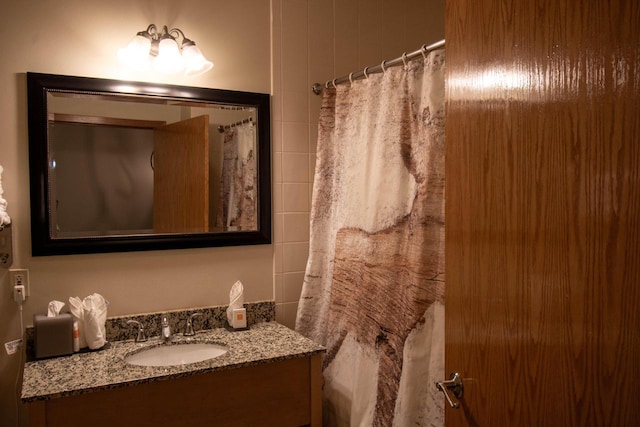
column 95, row 318
column 236, row 300
column 91, row 315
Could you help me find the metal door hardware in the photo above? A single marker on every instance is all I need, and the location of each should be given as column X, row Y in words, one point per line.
column 454, row 383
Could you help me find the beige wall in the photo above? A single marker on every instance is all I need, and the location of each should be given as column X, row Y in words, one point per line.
column 78, row 37
column 311, row 41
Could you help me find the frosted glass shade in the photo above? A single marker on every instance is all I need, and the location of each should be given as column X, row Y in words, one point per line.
column 136, row 53
column 169, row 59
column 194, row 61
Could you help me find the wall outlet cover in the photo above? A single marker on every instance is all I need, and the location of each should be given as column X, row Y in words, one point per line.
column 18, row 277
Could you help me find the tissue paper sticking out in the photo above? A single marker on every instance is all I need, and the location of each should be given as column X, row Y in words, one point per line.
column 236, row 300
column 54, row 308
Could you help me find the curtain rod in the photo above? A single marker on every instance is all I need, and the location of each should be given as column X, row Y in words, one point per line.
column 222, row 128
column 317, row 87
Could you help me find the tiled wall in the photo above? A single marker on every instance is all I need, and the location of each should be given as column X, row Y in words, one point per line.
column 315, row 41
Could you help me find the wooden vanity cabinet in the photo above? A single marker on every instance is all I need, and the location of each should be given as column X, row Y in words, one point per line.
column 283, row 393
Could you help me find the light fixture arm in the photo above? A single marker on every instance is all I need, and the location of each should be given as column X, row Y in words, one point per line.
column 176, row 30
column 152, row 30
column 185, row 40
column 166, row 34
column 150, row 33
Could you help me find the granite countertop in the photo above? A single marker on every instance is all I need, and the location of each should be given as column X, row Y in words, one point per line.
column 106, row 369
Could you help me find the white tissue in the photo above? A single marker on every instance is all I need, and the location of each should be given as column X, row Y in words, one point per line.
column 5, row 219
column 236, row 300
column 91, row 315
column 54, row 308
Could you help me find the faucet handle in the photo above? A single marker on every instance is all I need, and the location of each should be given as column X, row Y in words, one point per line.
column 141, row 337
column 189, row 332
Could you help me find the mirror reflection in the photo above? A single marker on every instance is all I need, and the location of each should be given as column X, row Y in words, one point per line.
column 119, row 166
column 123, row 166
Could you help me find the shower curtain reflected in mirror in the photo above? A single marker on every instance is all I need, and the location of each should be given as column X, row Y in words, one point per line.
column 237, row 210
column 373, row 291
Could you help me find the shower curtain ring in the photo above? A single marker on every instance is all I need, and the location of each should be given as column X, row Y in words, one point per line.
column 365, row 72
column 333, row 82
column 404, row 59
column 351, row 78
column 423, row 51
column 382, row 66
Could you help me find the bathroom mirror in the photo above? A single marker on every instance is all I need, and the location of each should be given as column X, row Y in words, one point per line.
column 129, row 166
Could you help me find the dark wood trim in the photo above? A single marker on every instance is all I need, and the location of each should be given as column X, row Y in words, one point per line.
column 105, row 121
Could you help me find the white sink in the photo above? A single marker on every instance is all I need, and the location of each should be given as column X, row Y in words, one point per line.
column 176, row 354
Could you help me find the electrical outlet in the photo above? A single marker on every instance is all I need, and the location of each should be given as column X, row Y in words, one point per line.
column 17, row 277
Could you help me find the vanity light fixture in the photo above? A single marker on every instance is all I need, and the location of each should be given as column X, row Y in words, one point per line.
column 167, row 56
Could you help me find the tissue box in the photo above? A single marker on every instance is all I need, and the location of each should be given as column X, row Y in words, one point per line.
column 53, row 335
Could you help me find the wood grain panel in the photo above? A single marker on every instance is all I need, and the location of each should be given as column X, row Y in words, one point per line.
column 543, row 211
column 275, row 394
column 181, row 177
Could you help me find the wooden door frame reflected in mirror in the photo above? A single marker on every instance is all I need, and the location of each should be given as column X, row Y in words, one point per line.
column 44, row 239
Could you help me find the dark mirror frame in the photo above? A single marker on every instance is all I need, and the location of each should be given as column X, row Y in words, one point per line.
column 38, row 85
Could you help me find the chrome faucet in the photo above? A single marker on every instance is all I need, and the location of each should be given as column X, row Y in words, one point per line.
column 166, row 330
column 141, row 337
column 189, row 331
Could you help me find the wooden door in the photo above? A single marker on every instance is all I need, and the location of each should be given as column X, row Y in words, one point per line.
column 181, row 177
column 543, row 211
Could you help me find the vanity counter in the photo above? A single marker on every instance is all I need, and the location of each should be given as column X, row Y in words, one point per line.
column 83, row 373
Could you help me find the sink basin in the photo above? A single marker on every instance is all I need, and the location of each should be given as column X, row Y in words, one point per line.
column 177, row 354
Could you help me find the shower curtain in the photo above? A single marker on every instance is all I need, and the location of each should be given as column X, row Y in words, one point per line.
column 237, row 207
column 373, row 291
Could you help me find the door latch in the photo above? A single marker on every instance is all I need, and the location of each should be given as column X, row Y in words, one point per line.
column 454, row 383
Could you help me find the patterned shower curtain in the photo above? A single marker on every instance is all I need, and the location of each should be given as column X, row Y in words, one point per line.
column 237, row 208
column 373, row 291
